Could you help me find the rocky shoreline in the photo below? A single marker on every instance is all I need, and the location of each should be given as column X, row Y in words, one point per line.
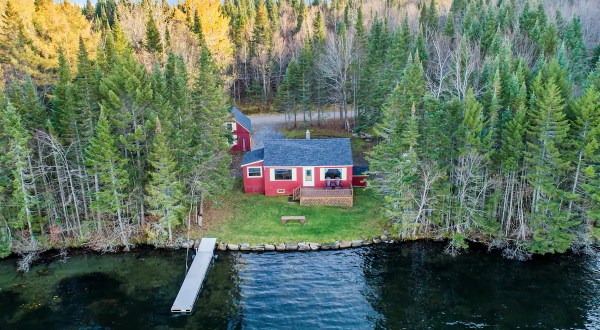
column 300, row 246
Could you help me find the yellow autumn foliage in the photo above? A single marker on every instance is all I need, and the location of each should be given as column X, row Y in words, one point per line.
column 215, row 27
column 46, row 28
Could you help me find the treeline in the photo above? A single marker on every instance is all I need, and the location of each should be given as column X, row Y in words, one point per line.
column 491, row 132
column 112, row 113
column 110, row 154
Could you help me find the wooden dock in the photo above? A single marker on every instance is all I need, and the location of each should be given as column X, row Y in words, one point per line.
column 190, row 289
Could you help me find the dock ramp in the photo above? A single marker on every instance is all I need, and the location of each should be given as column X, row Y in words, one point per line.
column 190, row 289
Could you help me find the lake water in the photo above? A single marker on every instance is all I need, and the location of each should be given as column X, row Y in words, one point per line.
column 412, row 285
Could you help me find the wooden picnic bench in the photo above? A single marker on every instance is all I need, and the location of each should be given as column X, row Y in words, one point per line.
column 300, row 218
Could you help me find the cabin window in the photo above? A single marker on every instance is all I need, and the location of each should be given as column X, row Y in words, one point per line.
column 334, row 173
column 254, row 172
column 283, row 174
column 281, row 191
column 231, row 126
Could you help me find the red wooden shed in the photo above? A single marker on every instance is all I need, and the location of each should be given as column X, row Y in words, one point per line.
column 241, row 128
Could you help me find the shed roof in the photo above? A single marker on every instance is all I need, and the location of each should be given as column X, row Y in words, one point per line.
column 253, row 156
column 241, row 118
column 360, row 170
column 301, row 152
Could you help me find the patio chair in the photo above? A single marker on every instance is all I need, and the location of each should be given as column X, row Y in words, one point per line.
column 328, row 184
column 338, row 183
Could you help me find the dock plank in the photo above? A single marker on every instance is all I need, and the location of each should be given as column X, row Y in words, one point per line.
column 190, row 289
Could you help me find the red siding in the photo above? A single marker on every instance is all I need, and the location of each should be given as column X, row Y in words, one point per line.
column 320, row 181
column 271, row 187
column 253, row 185
column 244, row 140
column 359, row 180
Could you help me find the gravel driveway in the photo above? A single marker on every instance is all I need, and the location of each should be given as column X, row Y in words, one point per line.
column 267, row 127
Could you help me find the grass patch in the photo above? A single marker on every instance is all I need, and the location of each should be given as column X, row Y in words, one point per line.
column 256, row 219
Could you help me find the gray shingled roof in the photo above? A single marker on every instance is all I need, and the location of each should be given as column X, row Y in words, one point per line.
column 301, row 152
column 253, row 156
column 241, row 118
column 360, row 170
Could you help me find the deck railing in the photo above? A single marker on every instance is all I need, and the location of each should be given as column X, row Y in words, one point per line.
column 296, row 193
column 321, row 192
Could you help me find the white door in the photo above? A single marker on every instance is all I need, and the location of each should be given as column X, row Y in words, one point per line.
column 308, row 176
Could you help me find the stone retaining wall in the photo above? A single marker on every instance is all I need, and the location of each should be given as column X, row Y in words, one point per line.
column 303, row 246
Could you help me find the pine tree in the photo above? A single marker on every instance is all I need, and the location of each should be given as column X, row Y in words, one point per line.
column 469, row 177
column 372, row 96
column 586, row 137
column 410, row 91
column 511, row 212
column 398, row 54
column 153, row 42
column 261, row 45
column 549, row 128
column 89, row 11
column 63, row 110
column 207, row 162
column 573, row 38
column 164, row 191
column 85, row 91
column 26, row 101
column 449, row 30
column 318, row 28
column 432, row 17
column 394, row 165
column 112, row 179
column 18, row 155
column 125, row 93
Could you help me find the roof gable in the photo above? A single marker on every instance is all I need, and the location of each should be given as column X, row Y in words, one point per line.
column 301, row 152
column 253, row 156
column 241, row 119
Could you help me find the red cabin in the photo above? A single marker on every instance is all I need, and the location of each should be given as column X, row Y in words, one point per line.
column 283, row 166
column 240, row 127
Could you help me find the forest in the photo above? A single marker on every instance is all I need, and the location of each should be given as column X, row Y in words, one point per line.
column 486, row 113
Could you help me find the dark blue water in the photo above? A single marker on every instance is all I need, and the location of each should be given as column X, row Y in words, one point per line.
column 410, row 285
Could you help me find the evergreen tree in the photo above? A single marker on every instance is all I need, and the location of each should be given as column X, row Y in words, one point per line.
column 112, row 178
column 85, row 91
column 449, row 30
column 89, row 10
column 206, row 167
column 397, row 177
column 153, row 42
column 411, row 91
column 19, row 156
column 164, row 191
column 549, row 128
column 586, row 158
column 261, row 45
column 63, row 110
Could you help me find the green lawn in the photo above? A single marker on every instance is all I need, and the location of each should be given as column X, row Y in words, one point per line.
column 256, row 219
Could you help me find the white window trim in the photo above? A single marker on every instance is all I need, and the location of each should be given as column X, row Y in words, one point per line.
column 344, row 171
column 233, row 125
column 281, row 191
column 272, row 174
column 252, row 177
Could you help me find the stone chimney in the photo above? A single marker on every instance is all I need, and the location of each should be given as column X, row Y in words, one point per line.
column 307, row 134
